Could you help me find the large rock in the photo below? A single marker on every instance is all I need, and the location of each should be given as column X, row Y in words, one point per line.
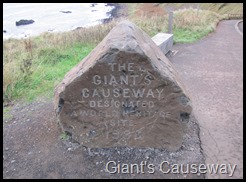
column 124, row 93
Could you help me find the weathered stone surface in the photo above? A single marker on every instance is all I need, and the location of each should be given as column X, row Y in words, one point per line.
column 124, row 93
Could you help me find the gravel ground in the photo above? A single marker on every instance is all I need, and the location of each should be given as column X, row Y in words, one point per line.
column 33, row 148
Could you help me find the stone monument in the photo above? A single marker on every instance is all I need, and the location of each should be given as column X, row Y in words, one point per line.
column 124, row 93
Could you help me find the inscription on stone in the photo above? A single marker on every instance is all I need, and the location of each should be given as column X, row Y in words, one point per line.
column 124, row 93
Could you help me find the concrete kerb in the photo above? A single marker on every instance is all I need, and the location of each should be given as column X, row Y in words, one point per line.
column 237, row 28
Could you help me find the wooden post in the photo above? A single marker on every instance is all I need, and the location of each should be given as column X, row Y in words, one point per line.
column 170, row 22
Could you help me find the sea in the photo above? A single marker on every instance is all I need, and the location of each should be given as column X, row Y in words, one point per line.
column 51, row 17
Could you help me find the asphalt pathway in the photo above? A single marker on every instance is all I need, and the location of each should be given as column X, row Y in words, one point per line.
column 212, row 72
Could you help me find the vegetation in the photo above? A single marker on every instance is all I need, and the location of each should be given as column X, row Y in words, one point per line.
column 188, row 25
column 64, row 136
column 191, row 25
column 223, row 8
column 6, row 113
column 220, row 8
column 191, row 21
column 34, row 66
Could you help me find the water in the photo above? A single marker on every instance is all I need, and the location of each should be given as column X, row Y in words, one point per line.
column 48, row 17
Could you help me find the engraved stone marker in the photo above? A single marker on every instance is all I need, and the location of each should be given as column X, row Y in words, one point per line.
column 124, row 93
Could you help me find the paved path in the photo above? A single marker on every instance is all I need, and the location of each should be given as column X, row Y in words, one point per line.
column 212, row 71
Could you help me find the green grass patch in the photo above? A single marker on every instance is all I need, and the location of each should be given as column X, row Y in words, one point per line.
column 50, row 68
column 189, row 36
column 64, row 136
column 6, row 113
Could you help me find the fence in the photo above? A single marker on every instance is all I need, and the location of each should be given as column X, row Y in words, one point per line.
column 235, row 16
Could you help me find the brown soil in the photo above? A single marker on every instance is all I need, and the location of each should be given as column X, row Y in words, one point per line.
column 150, row 9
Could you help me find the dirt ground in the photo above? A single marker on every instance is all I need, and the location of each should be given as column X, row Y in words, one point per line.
column 150, row 9
column 33, row 148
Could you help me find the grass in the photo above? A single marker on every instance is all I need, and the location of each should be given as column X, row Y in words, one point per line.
column 191, row 21
column 192, row 24
column 64, row 136
column 54, row 64
column 6, row 113
column 189, row 25
column 220, row 8
column 151, row 25
column 224, row 8
column 33, row 67
column 131, row 8
column 47, row 69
